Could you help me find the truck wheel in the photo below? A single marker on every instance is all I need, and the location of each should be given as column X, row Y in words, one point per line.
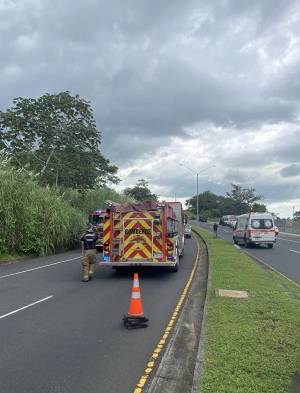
column 270, row 245
column 234, row 240
column 176, row 267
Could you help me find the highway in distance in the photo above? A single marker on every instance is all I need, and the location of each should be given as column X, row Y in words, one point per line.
column 283, row 257
column 60, row 335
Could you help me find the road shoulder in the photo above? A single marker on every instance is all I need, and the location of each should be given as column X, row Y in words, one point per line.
column 175, row 371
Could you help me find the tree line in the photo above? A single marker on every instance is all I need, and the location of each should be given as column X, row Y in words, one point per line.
column 237, row 201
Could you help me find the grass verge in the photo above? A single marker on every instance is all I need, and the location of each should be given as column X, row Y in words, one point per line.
column 10, row 257
column 253, row 345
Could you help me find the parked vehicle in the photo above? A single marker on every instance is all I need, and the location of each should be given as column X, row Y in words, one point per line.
column 143, row 234
column 255, row 228
column 228, row 221
column 187, row 231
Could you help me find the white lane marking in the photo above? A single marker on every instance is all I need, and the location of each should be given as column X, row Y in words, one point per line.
column 298, row 252
column 288, row 240
column 23, row 308
column 237, row 246
column 40, row 267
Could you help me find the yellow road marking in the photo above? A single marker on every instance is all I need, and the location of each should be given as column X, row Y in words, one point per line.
column 162, row 342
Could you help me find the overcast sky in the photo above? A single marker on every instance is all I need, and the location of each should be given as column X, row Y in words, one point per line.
column 195, row 82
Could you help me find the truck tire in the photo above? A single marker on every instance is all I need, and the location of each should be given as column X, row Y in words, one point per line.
column 270, row 245
column 176, row 267
column 234, row 240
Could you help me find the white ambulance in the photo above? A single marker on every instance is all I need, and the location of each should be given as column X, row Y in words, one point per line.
column 255, row 228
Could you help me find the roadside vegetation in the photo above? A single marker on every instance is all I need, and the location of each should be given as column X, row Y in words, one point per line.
column 52, row 173
column 252, row 345
column 40, row 220
column 238, row 201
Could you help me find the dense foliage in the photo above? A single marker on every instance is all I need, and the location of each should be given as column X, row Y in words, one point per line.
column 238, row 201
column 56, row 137
column 34, row 219
column 40, row 220
column 94, row 199
column 140, row 192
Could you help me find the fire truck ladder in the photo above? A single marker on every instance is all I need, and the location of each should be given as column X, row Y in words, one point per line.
column 117, row 240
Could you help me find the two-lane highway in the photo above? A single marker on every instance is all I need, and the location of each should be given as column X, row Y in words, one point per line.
column 61, row 335
column 284, row 257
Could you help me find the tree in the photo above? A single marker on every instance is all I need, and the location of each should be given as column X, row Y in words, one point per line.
column 237, row 202
column 245, row 197
column 55, row 136
column 140, row 192
column 259, row 208
column 296, row 215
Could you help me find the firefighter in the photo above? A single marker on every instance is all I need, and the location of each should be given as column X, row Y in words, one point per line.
column 88, row 258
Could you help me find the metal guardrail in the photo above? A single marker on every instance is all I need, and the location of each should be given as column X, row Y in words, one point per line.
column 289, row 226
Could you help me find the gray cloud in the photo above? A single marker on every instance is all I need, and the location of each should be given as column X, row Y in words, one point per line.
column 291, row 170
column 220, row 77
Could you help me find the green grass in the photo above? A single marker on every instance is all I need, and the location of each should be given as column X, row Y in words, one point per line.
column 10, row 257
column 38, row 220
column 253, row 345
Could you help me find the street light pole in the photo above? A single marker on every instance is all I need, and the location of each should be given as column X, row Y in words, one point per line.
column 197, row 173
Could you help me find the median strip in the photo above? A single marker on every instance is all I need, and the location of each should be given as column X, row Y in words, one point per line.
column 252, row 345
column 23, row 308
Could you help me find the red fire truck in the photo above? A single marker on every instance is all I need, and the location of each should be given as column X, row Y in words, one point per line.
column 141, row 234
column 96, row 218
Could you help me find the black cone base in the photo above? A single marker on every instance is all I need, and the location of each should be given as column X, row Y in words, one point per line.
column 131, row 322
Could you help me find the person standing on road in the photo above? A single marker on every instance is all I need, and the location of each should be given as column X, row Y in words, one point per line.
column 215, row 229
column 88, row 258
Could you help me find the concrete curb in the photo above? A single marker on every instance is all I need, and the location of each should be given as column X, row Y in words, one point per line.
column 175, row 371
column 198, row 372
column 295, row 387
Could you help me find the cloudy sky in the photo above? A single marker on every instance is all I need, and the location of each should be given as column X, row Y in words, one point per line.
column 195, row 82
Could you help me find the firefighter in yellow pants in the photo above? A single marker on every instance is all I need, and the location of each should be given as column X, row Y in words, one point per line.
column 88, row 258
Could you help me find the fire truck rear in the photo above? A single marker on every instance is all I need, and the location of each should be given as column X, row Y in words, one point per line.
column 141, row 234
column 96, row 218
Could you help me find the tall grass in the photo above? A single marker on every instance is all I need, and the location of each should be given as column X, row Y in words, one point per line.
column 33, row 219
column 39, row 220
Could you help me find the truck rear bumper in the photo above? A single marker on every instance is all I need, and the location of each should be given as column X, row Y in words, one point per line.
column 136, row 263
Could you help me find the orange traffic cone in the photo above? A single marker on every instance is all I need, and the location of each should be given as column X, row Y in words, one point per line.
column 135, row 317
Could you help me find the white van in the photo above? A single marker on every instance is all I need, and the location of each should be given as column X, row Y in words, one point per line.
column 228, row 221
column 255, row 228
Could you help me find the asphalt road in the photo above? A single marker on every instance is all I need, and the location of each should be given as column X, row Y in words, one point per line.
column 59, row 335
column 284, row 256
